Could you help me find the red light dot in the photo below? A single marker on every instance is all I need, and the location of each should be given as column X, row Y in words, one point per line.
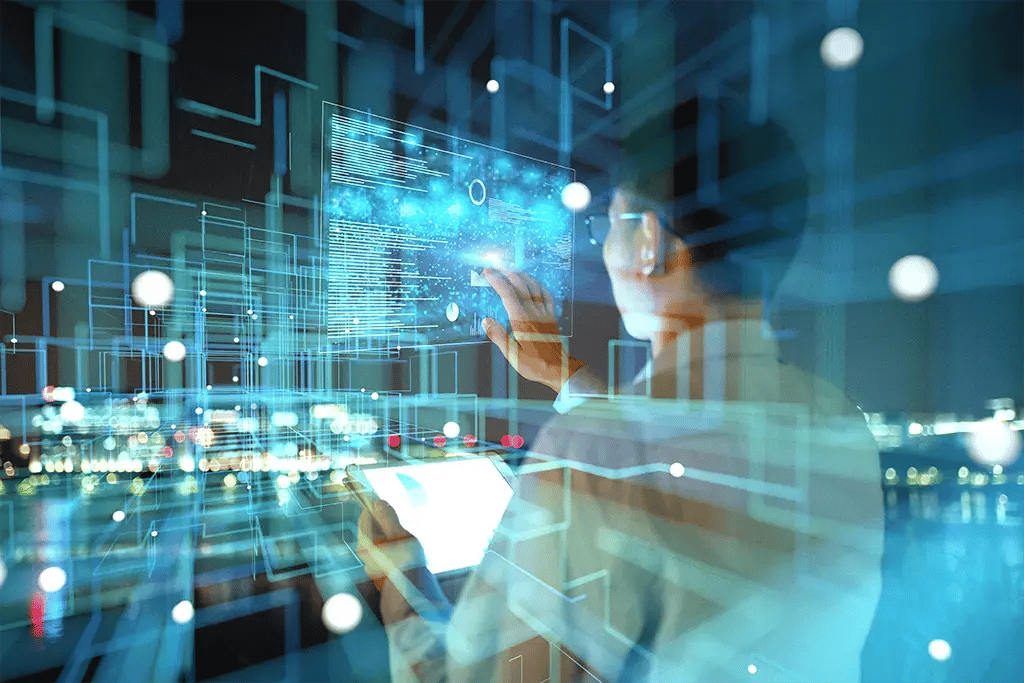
column 440, row 441
column 517, row 441
column 469, row 440
column 167, row 451
column 394, row 441
column 506, row 441
column 179, row 436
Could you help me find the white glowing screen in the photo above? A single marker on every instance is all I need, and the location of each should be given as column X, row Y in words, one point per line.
column 452, row 507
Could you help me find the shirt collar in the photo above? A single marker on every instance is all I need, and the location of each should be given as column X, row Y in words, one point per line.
column 735, row 340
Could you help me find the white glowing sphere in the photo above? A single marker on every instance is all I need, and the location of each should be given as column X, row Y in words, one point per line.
column 57, row 286
column 262, row 361
column 913, row 278
column 342, row 613
column 576, row 196
column 608, row 88
column 72, row 411
column 841, row 48
column 451, row 429
column 118, row 515
column 676, row 469
column 374, row 396
column 939, row 650
column 152, row 289
column 751, row 669
column 183, row 612
column 52, row 579
column 452, row 312
column 174, row 351
column 493, row 86
column 993, row 442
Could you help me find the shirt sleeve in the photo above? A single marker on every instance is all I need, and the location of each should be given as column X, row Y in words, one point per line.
column 579, row 388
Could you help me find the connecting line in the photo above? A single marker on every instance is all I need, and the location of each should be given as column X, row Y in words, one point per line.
column 561, row 595
column 782, row 491
column 215, row 112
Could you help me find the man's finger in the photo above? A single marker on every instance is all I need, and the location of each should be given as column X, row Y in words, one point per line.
column 506, row 291
column 497, row 334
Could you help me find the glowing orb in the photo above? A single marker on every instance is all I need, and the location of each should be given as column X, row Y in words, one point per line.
column 118, row 515
column 72, row 411
column 374, row 396
column 939, row 650
column 342, row 613
column 469, row 440
column 608, row 88
column 993, row 442
column 451, row 429
column 174, row 351
column 452, row 312
column 751, row 669
column 676, row 469
column 576, row 196
column 262, row 361
column 57, row 286
column 517, row 441
column 183, row 612
column 52, row 579
column 493, row 86
column 152, row 289
column 394, row 441
column 841, row 48
column 439, row 441
column 913, row 278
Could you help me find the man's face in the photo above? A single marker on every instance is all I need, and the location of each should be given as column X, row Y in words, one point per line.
column 650, row 299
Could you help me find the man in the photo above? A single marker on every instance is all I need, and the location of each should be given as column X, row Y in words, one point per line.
column 718, row 520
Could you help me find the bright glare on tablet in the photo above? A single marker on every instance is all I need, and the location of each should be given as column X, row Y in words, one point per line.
column 452, row 507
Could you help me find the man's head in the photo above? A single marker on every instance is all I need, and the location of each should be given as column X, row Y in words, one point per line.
column 693, row 237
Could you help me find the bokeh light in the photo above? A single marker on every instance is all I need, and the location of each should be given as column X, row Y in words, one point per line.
column 493, row 86
column 451, row 429
column 342, row 613
column 52, row 579
column 676, row 469
column 608, row 88
column 72, row 411
column 841, row 48
column 576, row 196
column 913, row 278
column 993, row 442
column 262, row 361
column 118, row 516
column 152, row 289
column 183, row 612
column 174, row 351
column 57, row 286
column 939, row 650
column 394, row 441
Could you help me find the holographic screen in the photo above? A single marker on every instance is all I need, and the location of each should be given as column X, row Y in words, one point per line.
column 413, row 216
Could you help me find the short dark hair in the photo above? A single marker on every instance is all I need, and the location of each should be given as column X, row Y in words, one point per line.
column 742, row 238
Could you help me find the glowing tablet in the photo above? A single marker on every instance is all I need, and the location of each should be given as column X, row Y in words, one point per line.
column 451, row 506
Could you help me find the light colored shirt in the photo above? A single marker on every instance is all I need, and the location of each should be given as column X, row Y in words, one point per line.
column 655, row 538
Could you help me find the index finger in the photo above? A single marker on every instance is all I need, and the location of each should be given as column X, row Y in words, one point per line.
column 506, row 290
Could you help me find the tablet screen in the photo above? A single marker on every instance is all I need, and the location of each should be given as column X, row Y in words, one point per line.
column 452, row 507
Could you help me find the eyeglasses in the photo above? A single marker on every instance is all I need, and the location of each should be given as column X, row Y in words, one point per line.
column 599, row 226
